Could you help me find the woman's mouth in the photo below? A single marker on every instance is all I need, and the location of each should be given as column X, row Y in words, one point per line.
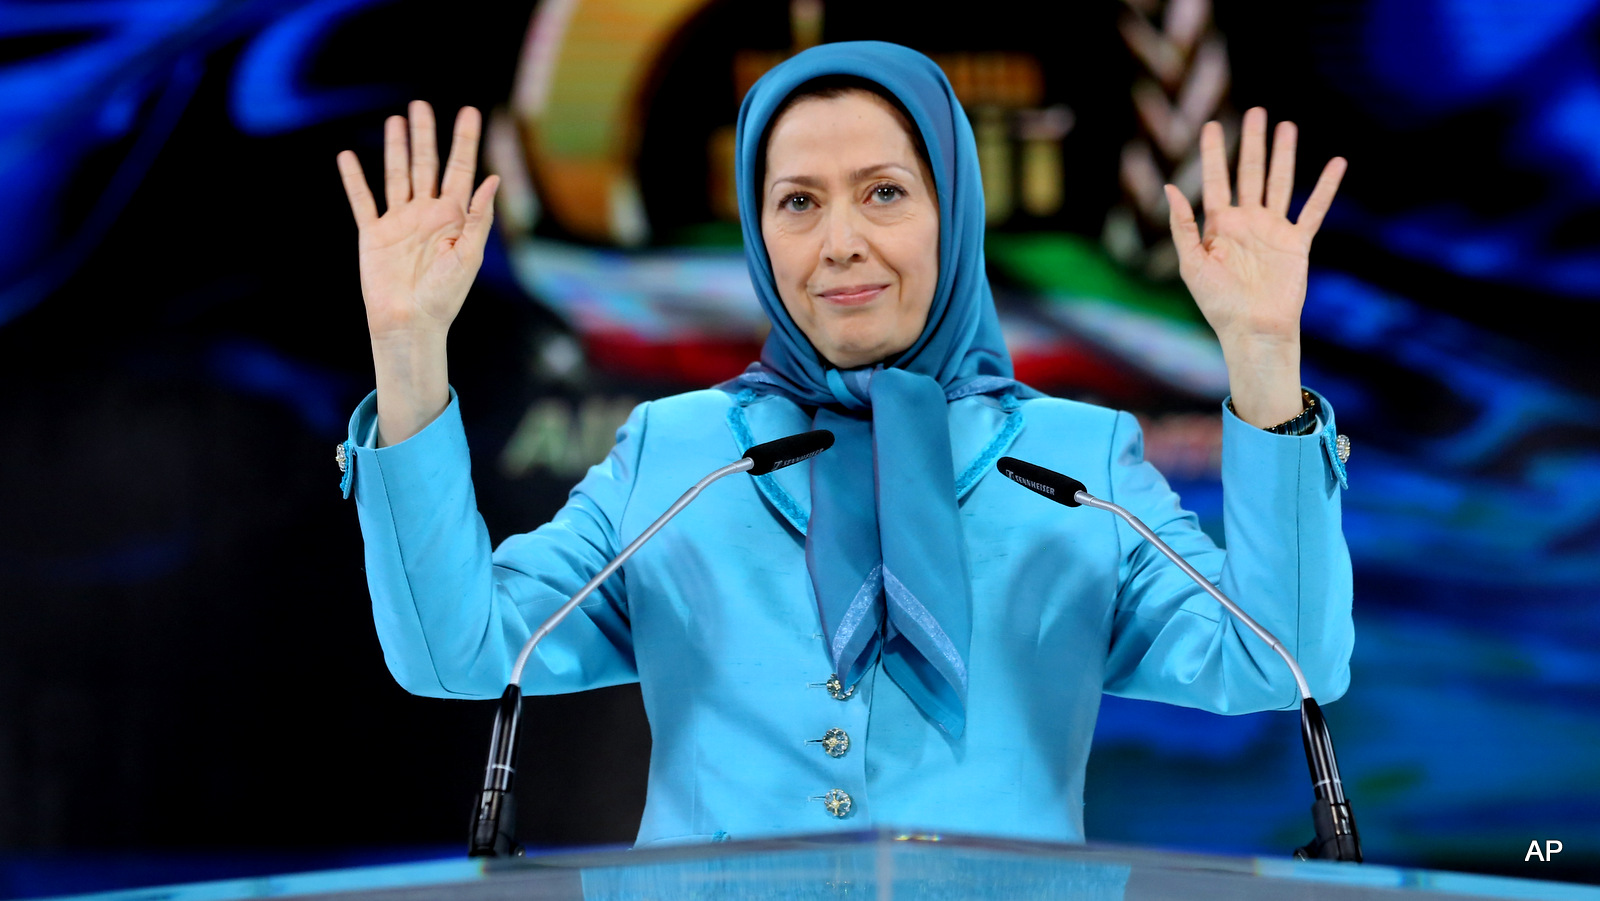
column 852, row 295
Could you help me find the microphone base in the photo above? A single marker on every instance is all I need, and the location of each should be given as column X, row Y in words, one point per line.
column 1337, row 838
column 492, row 825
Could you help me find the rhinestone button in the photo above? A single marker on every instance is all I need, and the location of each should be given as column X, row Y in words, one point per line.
column 339, row 457
column 837, row 689
column 835, row 742
column 837, row 801
column 1342, row 447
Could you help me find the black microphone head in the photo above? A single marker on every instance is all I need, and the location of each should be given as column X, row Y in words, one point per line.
column 788, row 451
column 1053, row 485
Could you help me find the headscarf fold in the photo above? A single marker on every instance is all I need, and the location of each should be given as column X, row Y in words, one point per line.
column 884, row 544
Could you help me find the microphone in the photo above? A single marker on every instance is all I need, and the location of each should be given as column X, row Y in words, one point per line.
column 494, row 822
column 765, row 458
column 1053, row 485
column 1336, row 835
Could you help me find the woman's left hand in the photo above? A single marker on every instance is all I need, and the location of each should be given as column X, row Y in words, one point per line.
column 1247, row 270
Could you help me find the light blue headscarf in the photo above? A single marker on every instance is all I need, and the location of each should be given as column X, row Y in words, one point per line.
column 890, row 577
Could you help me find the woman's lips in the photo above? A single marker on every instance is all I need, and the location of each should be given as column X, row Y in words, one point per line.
column 852, row 295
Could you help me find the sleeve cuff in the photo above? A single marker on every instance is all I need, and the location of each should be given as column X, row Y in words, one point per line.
column 1252, row 443
column 443, row 437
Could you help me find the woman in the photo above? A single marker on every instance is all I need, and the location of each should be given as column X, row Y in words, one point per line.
column 890, row 633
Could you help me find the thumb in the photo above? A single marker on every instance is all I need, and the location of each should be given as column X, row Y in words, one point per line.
column 1185, row 231
column 480, row 215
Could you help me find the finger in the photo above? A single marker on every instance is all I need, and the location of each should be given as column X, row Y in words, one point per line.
column 1185, row 231
column 1321, row 197
column 1214, row 193
column 1252, row 156
column 462, row 166
column 480, row 215
column 424, row 151
column 355, row 188
column 396, row 163
column 1280, row 177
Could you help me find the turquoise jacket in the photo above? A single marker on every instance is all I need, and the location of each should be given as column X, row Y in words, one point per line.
column 715, row 617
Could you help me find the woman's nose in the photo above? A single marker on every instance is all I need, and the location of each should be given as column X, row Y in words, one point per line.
column 843, row 241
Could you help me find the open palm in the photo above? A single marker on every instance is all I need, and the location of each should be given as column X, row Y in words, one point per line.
column 1247, row 270
column 419, row 258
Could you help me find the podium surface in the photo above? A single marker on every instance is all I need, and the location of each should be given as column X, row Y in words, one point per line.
column 879, row 864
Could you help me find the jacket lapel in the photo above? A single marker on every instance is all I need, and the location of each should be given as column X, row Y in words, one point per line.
column 766, row 419
column 981, row 430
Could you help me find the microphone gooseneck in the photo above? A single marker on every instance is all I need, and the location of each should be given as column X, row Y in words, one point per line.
column 1337, row 838
column 494, row 821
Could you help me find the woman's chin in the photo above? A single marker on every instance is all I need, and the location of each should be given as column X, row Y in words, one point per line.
column 854, row 355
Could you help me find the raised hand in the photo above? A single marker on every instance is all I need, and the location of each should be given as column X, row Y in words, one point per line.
column 1247, row 269
column 418, row 259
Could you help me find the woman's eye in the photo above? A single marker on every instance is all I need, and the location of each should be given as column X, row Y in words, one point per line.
column 886, row 193
column 796, row 203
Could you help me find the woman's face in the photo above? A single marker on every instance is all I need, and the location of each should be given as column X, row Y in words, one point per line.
column 851, row 224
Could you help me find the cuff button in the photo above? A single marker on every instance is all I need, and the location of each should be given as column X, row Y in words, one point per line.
column 1342, row 448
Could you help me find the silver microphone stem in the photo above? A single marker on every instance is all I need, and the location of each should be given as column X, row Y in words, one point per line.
column 1336, row 834
column 1089, row 500
column 572, row 603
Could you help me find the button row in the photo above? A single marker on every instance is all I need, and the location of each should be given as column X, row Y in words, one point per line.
column 835, row 743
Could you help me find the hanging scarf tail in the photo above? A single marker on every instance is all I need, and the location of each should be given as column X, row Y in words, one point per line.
column 854, row 642
column 923, row 660
column 887, row 557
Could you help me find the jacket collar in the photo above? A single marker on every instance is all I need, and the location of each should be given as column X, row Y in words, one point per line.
column 981, row 430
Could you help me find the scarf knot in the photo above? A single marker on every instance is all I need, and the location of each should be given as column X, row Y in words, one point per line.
column 851, row 388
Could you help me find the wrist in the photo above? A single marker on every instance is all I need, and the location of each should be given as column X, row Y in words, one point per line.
column 409, row 340
column 1264, row 379
column 413, row 381
column 1259, row 350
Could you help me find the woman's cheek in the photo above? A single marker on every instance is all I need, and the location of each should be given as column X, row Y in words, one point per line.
column 891, row 215
column 782, row 250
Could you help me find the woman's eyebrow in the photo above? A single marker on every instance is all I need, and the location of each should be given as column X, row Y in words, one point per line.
column 811, row 181
column 866, row 171
column 804, row 181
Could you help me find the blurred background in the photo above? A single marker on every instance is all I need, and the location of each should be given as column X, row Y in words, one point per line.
column 190, row 686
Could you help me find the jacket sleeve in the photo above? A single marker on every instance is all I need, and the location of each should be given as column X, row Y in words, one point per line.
column 1286, row 565
column 451, row 616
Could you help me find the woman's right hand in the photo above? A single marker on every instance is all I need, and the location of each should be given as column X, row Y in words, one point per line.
column 418, row 259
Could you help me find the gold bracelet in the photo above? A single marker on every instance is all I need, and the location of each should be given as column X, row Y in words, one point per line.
column 1298, row 424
